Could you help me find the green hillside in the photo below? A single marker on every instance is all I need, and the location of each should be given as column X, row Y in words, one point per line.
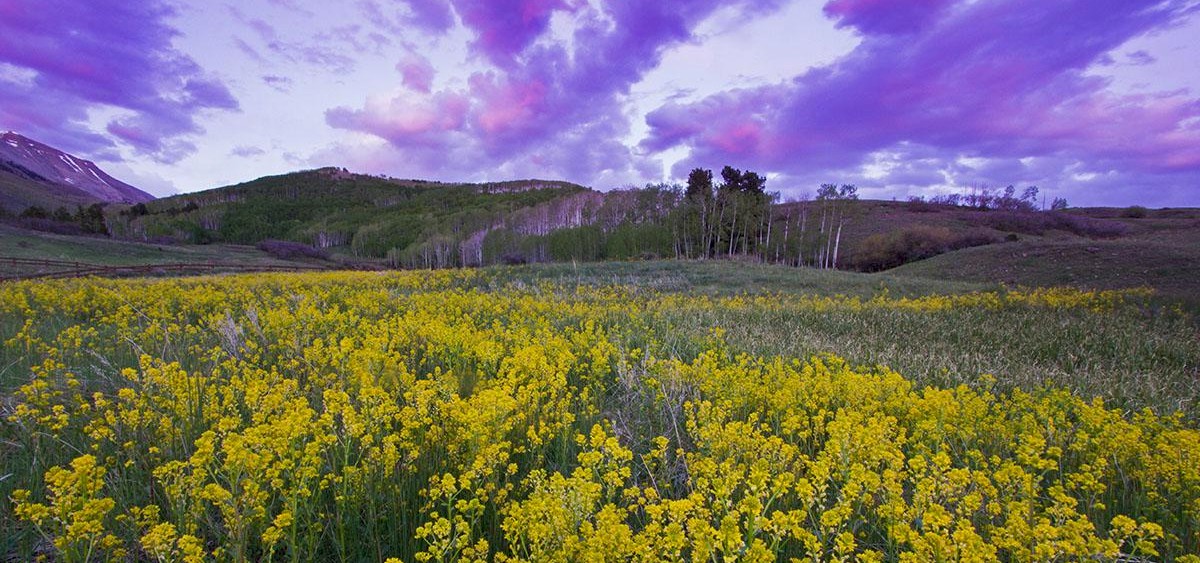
column 409, row 222
column 1161, row 250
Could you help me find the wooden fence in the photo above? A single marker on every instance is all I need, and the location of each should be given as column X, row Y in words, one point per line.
column 69, row 269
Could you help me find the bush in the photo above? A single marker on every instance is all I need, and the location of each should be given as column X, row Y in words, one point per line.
column 885, row 251
column 917, row 204
column 289, row 250
column 1090, row 227
column 513, row 259
column 50, row 226
column 199, row 235
column 1037, row 223
column 137, row 210
column 35, row 212
column 1134, row 212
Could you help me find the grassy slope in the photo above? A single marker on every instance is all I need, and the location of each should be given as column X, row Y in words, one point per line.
column 1162, row 252
column 17, row 193
column 872, row 217
column 723, row 277
column 377, row 214
column 21, row 243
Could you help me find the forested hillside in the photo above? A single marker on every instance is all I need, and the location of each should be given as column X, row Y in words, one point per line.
column 413, row 223
column 409, row 222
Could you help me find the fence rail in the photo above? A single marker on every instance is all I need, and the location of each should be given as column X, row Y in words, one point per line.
column 39, row 262
column 70, row 269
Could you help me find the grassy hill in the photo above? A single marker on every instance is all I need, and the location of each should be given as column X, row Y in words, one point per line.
column 34, row 245
column 1160, row 250
column 409, row 222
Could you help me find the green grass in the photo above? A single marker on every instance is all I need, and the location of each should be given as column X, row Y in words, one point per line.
column 1130, row 360
column 724, row 277
column 1168, row 264
column 22, row 243
column 1145, row 355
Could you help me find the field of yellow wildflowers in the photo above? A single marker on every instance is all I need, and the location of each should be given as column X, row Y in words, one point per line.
column 455, row 416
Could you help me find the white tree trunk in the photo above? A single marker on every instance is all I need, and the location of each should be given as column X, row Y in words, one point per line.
column 836, row 244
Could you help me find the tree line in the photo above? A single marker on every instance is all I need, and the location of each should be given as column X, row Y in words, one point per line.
column 707, row 218
column 86, row 220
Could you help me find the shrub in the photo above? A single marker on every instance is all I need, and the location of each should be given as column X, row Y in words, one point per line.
column 917, row 204
column 513, row 258
column 1134, row 212
column 888, row 250
column 35, row 212
column 289, row 250
column 1090, row 227
column 199, row 235
column 1037, row 223
column 50, row 226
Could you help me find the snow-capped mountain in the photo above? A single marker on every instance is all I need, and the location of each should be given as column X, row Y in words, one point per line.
column 37, row 161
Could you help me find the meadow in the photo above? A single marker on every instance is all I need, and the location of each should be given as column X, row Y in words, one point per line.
column 604, row 413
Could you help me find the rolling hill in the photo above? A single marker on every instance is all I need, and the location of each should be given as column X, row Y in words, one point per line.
column 407, row 222
column 1160, row 250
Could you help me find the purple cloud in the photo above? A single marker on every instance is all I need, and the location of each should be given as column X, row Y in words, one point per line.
column 416, row 121
column 280, row 84
column 417, row 72
column 249, row 50
column 504, row 28
column 246, row 151
column 886, row 16
column 431, row 15
column 103, row 52
column 1141, row 58
column 991, row 79
column 330, row 48
column 292, row 5
column 541, row 96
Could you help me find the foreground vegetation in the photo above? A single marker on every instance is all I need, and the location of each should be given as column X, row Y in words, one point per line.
column 550, row 414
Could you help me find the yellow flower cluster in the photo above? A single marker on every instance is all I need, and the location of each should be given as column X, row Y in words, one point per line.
column 75, row 518
column 438, row 416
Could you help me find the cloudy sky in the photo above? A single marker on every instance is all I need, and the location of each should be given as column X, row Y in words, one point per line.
column 1097, row 101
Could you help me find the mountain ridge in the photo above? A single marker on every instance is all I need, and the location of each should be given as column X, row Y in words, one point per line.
column 30, row 167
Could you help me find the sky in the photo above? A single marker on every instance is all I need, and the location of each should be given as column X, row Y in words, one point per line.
column 1094, row 101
